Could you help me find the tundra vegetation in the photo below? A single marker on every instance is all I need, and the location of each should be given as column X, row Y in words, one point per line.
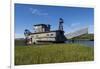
column 52, row 53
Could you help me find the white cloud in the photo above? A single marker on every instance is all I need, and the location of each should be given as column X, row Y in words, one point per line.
column 38, row 12
column 75, row 24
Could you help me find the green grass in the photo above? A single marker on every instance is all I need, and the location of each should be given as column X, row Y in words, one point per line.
column 52, row 53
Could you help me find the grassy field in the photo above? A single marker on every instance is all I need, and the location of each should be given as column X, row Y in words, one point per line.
column 52, row 53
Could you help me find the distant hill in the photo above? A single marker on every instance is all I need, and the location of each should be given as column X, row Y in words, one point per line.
column 77, row 33
column 19, row 41
column 84, row 36
column 19, row 38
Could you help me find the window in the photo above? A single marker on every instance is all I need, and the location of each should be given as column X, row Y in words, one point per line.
column 51, row 34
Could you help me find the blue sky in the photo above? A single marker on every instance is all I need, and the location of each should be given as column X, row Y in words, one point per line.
column 26, row 15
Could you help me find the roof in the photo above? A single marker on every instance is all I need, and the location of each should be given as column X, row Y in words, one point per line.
column 48, row 32
column 40, row 25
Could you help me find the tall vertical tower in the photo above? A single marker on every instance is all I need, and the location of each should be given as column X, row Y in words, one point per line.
column 61, row 24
